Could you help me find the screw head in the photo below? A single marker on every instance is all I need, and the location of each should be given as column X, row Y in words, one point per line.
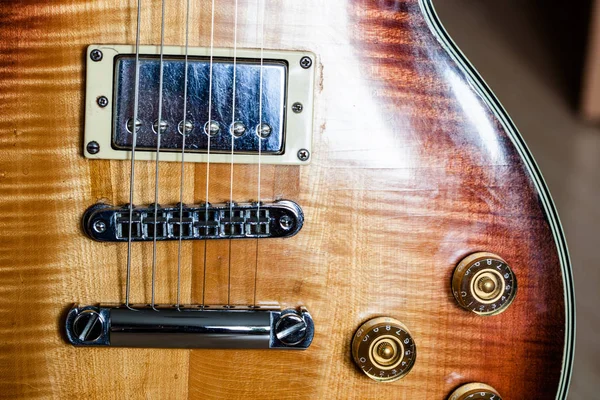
column 129, row 125
column 297, row 107
column 96, row 55
column 237, row 129
column 290, row 329
column 163, row 126
column 189, row 127
column 102, row 101
column 285, row 222
column 88, row 326
column 303, row 154
column 306, row 62
column 93, row 147
column 99, row 226
column 264, row 130
column 211, row 128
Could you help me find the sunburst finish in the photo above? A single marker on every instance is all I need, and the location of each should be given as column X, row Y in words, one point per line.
column 414, row 166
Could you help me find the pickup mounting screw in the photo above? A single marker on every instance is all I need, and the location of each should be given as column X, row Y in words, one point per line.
column 99, row 226
column 96, row 55
column 297, row 107
column 93, row 147
column 88, row 326
column 303, row 154
column 102, row 101
column 306, row 62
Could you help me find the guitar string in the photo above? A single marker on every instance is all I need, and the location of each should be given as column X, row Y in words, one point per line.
column 258, row 133
column 235, row 23
column 133, row 145
column 183, row 134
column 208, row 131
column 158, row 137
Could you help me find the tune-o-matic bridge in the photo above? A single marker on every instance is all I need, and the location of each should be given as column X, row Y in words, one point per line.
column 282, row 218
column 190, row 327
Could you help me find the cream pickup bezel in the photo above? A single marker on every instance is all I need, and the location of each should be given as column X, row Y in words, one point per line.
column 100, row 82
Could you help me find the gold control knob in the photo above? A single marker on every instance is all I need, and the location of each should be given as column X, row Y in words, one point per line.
column 384, row 349
column 475, row 391
column 484, row 283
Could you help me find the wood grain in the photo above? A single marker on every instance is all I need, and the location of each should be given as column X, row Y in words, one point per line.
column 411, row 171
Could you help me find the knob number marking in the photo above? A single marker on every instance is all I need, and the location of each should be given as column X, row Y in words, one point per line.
column 475, row 391
column 386, row 352
column 484, row 283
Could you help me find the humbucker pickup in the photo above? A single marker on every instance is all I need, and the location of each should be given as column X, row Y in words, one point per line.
column 283, row 218
column 259, row 104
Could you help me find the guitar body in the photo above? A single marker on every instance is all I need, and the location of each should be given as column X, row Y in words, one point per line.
column 414, row 166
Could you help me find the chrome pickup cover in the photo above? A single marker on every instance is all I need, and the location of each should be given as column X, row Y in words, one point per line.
column 106, row 223
column 249, row 110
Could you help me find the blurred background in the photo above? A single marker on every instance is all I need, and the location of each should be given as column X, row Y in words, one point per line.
column 541, row 58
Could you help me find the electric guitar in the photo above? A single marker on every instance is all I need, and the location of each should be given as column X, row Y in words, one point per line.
column 274, row 199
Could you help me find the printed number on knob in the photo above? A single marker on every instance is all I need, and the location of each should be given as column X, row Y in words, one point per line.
column 384, row 349
column 484, row 283
column 475, row 391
